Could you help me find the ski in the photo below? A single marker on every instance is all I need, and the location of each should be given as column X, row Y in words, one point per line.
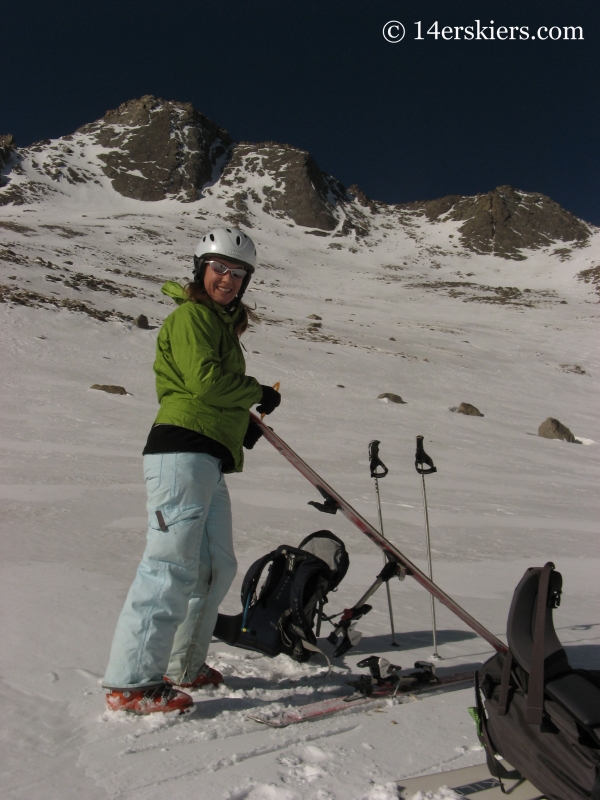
column 334, row 502
column 472, row 783
column 405, row 688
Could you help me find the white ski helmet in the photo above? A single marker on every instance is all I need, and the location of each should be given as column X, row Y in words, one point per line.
column 230, row 243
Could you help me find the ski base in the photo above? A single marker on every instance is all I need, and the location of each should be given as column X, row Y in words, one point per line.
column 379, row 697
column 474, row 783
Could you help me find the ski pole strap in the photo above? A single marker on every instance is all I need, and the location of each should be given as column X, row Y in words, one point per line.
column 421, row 458
column 376, row 462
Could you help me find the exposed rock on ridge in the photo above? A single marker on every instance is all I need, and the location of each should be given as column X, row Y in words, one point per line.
column 506, row 220
column 160, row 148
column 361, row 198
column 298, row 189
column 7, row 146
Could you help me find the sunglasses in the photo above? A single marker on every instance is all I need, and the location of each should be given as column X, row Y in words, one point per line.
column 236, row 272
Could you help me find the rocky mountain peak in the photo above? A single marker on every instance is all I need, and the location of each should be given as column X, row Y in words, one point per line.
column 152, row 149
column 285, row 181
column 506, row 220
column 158, row 148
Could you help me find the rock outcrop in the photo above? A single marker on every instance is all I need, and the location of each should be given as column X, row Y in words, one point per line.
column 158, row 148
column 361, row 198
column 7, row 147
column 292, row 185
column 506, row 221
column 591, row 276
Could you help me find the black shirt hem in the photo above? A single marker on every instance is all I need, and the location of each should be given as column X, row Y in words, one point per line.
column 175, row 439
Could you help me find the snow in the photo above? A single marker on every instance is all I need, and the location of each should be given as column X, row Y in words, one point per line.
column 73, row 519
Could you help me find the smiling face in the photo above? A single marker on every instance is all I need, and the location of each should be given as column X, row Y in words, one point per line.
column 222, row 289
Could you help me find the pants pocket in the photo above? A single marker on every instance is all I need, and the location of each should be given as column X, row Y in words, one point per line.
column 175, row 534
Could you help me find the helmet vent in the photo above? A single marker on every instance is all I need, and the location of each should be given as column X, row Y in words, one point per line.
column 231, row 243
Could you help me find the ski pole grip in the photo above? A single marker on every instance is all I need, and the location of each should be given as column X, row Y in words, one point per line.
column 421, row 458
column 276, row 386
column 375, row 461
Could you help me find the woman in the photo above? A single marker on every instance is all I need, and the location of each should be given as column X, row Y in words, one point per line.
column 165, row 628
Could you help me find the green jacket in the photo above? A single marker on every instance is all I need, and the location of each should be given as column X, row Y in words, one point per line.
column 200, row 373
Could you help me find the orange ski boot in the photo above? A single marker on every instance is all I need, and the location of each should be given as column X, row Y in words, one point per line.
column 206, row 677
column 162, row 697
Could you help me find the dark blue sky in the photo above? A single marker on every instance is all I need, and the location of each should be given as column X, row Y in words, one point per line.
column 407, row 121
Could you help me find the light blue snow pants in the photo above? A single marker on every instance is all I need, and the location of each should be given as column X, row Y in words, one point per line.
column 187, row 568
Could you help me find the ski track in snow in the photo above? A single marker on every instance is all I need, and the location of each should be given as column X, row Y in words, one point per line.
column 73, row 521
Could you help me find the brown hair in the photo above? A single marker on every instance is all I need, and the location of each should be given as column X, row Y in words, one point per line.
column 197, row 294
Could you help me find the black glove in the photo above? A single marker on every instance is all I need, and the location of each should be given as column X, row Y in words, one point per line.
column 269, row 401
column 252, row 436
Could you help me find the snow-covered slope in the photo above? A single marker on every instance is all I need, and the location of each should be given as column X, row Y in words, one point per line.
column 389, row 299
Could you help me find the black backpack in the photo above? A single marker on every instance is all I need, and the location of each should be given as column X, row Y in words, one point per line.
column 537, row 712
column 281, row 616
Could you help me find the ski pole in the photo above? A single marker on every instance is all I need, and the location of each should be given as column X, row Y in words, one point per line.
column 375, row 464
column 421, row 458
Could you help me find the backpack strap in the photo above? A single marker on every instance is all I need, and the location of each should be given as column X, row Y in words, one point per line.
column 535, row 690
column 252, row 577
column 309, row 567
column 490, row 751
column 505, row 684
column 314, row 649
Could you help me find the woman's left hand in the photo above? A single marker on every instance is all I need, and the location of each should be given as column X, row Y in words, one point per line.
column 252, row 436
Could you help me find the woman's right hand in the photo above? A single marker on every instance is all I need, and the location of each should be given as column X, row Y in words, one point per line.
column 269, row 401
